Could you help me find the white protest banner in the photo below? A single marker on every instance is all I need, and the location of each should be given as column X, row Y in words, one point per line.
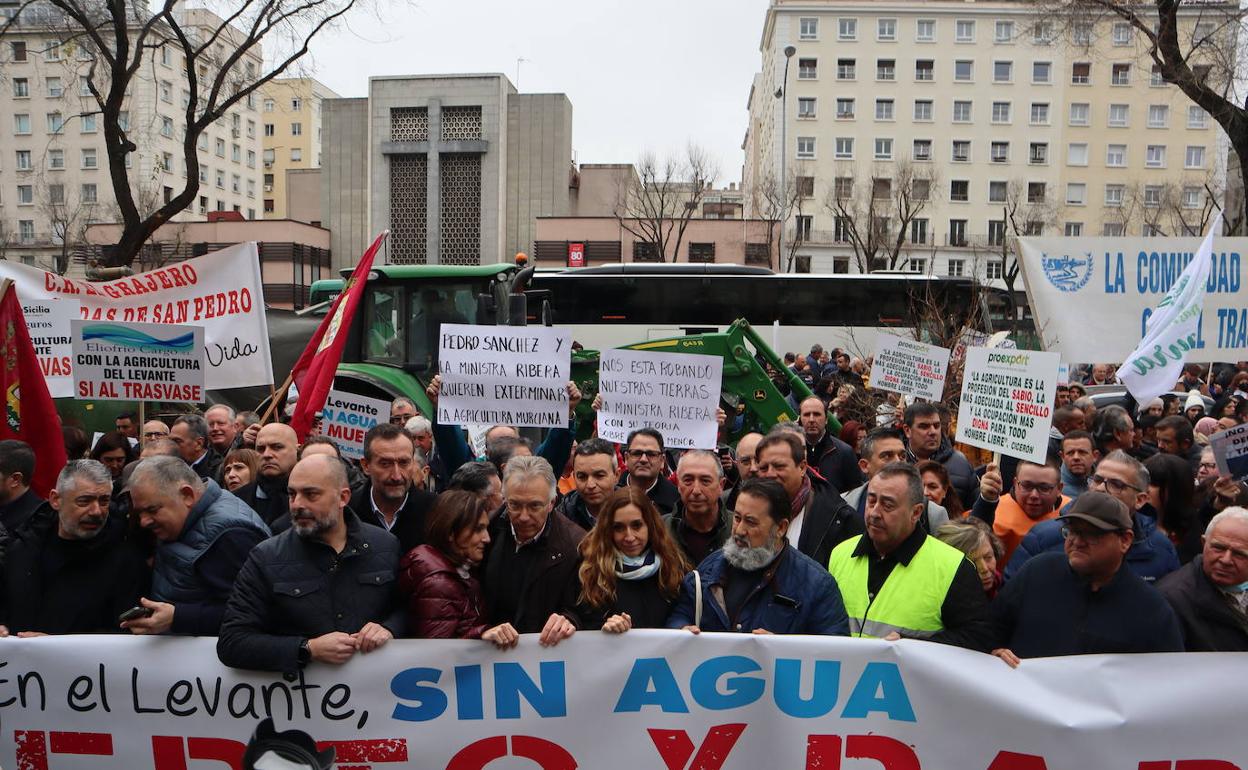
column 1093, row 296
column 1007, row 401
column 645, row 699
column 504, row 375
column 221, row 291
column 138, row 362
column 48, row 322
column 1230, row 451
column 346, row 417
column 677, row 394
column 909, row 367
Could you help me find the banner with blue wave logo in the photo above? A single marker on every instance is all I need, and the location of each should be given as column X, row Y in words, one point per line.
column 138, row 361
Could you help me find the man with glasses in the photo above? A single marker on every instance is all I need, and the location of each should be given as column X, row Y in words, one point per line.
column 154, row 429
column 1210, row 594
column 1151, row 555
column 1036, row 496
column 401, row 410
column 1083, row 601
column 530, row 572
column 644, row 460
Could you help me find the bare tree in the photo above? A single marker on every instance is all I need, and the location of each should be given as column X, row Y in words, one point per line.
column 1192, row 45
column 875, row 218
column 657, row 204
column 777, row 204
column 68, row 216
column 1026, row 210
column 221, row 59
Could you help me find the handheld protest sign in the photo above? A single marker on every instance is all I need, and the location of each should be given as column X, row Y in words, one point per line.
column 1230, row 452
column 49, row 323
column 677, row 394
column 1007, row 401
column 504, row 375
column 346, row 418
column 909, row 367
column 138, row 361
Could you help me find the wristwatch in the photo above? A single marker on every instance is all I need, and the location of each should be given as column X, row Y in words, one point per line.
column 305, row 653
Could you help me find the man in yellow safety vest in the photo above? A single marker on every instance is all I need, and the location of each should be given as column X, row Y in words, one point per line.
column 896, row 581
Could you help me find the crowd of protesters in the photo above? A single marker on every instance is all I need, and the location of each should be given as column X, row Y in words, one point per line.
column 1125, row 539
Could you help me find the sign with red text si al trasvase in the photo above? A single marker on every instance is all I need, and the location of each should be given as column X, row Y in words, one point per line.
column 221, row 291
column 644, row 699
column 137, row 362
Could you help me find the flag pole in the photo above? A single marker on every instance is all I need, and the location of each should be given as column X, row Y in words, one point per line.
column 268, row 412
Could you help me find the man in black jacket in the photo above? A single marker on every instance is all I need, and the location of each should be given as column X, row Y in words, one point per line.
column 595, row 471
column 531, row 569
column 644, row 456
column 926, row 440
column 389, row 499
column 1209, row 595
column 323, row 590
column 821, row 519
column 18, row 502
column 701, row 523
column 832, row 458
column 190, row 433
column 68, row 569
column 278, row 447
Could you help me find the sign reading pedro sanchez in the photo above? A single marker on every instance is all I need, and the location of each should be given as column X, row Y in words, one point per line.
column 138, row 361
column 1007, row 401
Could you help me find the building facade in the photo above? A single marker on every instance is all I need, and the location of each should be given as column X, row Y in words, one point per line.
column 292, row 135
column 54, row 177
column 457, row 167
column 966, row 124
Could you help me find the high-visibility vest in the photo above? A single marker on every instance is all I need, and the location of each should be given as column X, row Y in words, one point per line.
column 910, row 600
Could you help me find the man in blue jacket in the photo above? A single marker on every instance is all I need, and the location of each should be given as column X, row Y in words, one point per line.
column 1151, row 556
column 759, row 583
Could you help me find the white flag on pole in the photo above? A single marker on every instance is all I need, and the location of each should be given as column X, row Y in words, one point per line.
column 1156, row 363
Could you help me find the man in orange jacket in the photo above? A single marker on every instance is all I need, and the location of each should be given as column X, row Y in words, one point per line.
column 1035, row 497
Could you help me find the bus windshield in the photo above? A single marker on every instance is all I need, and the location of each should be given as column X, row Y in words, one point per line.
column 402, row 320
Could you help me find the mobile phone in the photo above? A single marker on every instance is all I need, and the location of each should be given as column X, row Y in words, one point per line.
column 134, row 613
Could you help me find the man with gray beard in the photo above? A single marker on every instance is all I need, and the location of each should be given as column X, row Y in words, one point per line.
column 759, row 583
column 322, row 590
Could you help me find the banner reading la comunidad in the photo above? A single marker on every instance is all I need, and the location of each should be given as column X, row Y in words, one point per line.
column 645, row 699
column 221, row 292
column 1092, row 296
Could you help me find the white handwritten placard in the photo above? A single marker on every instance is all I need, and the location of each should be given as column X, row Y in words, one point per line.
column 1230, row 452
column 1007, row 398
column 909, row 367
column 674, row 393
column 504, row 375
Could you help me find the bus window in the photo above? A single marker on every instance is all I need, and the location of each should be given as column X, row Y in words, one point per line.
column 385, row 330
column 430, row 308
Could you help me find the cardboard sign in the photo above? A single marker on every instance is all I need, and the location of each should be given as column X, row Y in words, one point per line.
column 909, row 367
column 48, row 321
column 674, row 393
column 1007, row 401
column 1230, row 451
column 138, row 362
column 504, row 375
column 347, row 417
column 221, row 292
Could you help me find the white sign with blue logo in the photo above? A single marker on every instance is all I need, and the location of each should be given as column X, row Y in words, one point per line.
column 1092, row 297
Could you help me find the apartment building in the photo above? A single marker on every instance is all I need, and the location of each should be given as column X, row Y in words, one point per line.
column 966, row 123
column 291, row 125
column 54, row 178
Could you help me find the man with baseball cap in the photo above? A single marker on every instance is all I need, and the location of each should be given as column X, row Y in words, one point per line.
column 1083, row 601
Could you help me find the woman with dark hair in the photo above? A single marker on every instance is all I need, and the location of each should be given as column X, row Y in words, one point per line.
column 1225, row 407
column 631, row 567
column 938, row 488
column 1171, row 493
column 239, row 468
column 852, row 433
column 443, row 594
column 114, row 451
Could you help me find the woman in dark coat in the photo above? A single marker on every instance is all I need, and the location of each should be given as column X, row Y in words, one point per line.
column 438, row 579
column 631, row 567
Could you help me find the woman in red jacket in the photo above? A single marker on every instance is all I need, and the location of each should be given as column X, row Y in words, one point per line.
column 444, row 599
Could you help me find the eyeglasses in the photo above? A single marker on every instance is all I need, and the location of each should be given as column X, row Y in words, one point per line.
column 1027, row 487
column 1208, row 466
column 1113, row 485
column 155, row 434
column 637, row 454
column 1087, row 535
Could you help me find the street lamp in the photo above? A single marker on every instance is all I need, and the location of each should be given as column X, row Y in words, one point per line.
column 782, row 95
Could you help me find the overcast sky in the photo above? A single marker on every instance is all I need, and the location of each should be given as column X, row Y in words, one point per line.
column 641, row 74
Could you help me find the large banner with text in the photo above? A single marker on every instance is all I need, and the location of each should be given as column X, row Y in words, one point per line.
column 221, row 292
column 1092, row 296
column 648, row 699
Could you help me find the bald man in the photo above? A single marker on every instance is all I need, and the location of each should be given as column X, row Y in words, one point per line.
column 278, row 447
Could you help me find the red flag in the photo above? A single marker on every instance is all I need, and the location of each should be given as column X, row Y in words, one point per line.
column 29, row 412
column 313, row 373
